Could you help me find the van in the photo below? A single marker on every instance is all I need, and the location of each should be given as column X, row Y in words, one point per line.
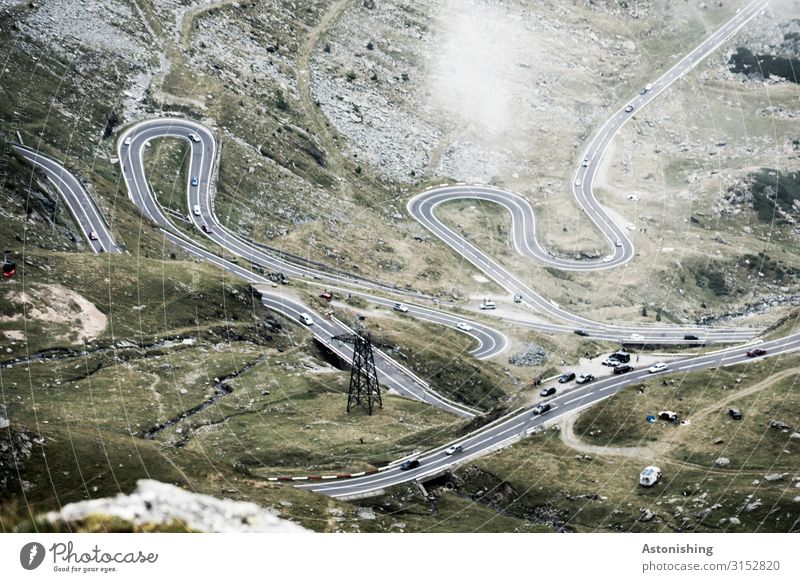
column 196, row 210
column 306, row 318
column 649, row 476
column 623, row 357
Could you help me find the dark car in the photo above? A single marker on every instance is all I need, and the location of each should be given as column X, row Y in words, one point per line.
column 623, row 369
column 584, row 378
column 541, row 408
column 410, row 464
column 623, row 357
column 690, row 336
column 756, row 352
column 735, row 413
column 581, row 332
column 548, row 391
column 564, row 378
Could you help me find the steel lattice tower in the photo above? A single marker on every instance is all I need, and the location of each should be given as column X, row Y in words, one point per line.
column 364, row 391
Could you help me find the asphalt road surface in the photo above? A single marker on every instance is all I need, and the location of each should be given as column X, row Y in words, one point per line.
column 77, row 199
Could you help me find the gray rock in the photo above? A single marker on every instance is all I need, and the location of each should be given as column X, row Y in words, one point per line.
column 722, row 461
column 365, row 513
column 752, row 506
column 160, row 503
column 773, row 477
column 734, row 521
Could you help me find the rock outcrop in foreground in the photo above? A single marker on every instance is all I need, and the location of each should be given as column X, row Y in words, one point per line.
column 154, row 502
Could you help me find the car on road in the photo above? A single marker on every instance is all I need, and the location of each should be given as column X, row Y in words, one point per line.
column 578, row 182
column 547, row 391
column 623, row 369
column 586, row 162
column 487, row 304
column 756, row 352
column 629, row 108
column 656, row 368
column 581, row 332
column 584, row 379
column 207, row 229
column 541, row 408
column 410, row 464
column 400, row 307
column 691, row 337
column 127, row 141
column 566, row 377
column 306, row 318
column 92, row 235
column 637, row 337
column 454, row 449
column 617, row 243
column 194, row 181
column 196, row 209
column 463, row 326
column 735, row 413
column 608, row 259
column 194, row 137
column 518, row 298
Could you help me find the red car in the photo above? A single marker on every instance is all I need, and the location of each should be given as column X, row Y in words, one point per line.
column 756, row 352
column 207, row 229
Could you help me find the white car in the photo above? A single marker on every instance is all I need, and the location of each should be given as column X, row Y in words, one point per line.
column 196, row 210
column 194, row 137
column 306, row 318
column 617, row 243
column 578, row 182
column 454, row 449
column 400, row 307
column 488, row 305
column 608, row 259
column 463, row 326
column 127, row 141
column 633, row 197
column 586, row 162
column 637, row 337
column 92, row 235
column 656, row 368
column 630, row 226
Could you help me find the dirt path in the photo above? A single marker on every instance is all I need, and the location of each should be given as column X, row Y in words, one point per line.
column 569, row 438
column 316, row 119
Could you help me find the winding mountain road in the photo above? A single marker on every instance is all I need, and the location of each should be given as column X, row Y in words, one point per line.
column 200, row 202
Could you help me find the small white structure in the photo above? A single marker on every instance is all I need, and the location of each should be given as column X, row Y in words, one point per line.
column 649, row 476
